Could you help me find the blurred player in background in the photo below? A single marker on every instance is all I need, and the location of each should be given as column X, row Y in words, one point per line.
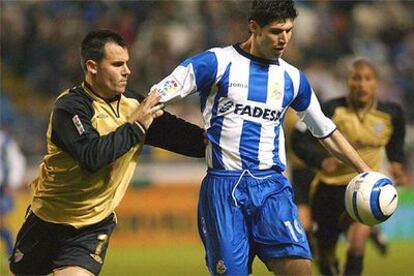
column 95, row 134
column 372, row 127
column 246, row 205
column 12, row 171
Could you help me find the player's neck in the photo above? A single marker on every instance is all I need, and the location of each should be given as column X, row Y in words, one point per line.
column 362, row 107
column 250, row 47
column 94, row 87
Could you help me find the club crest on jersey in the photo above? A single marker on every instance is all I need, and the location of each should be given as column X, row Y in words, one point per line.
column 379, row 127
column 276, row 90
column 78, row 124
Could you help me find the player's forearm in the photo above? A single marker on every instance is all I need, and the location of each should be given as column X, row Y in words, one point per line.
column 338, row 146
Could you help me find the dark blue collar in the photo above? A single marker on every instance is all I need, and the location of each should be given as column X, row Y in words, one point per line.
column 254, row 58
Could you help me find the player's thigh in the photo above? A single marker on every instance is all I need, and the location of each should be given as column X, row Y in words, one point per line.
column 34, row 248
column 72, row 271
column 86, row 247
column 223, row 229
column 290, row 266
column 277, row 230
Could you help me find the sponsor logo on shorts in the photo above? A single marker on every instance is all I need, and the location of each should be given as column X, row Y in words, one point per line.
column 97, row 258
column 102, row 239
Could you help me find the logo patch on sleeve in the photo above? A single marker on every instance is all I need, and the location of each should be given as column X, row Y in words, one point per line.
column 78, row 124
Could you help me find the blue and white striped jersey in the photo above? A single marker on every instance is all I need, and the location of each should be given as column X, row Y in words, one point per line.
column 243, row 100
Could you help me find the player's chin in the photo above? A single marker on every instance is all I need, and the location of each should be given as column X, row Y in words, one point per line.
column 121, row 89
column 278, row 53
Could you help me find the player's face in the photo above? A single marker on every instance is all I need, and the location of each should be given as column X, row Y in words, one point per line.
column 362, row 83
column 272, row 39
column 112, row 71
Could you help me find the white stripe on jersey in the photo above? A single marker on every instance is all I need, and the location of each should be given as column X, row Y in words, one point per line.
column 275, row 99
column 242, row 119
column 231, row 130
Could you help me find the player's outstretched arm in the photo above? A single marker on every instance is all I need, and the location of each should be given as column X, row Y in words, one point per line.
column 338, row 146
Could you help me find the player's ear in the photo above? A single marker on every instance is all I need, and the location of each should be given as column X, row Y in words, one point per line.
column 253, row 27
column 91, row 66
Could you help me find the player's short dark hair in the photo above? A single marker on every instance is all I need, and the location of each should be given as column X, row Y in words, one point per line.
column 267, row 11
column 93, row 45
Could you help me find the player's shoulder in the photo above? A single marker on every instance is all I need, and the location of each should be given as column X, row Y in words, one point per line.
column 221, row 50
column 130, row 94
column 287, row 66
column 392, row 108
column 292, row 70
column 73, row 98
column 330, row 106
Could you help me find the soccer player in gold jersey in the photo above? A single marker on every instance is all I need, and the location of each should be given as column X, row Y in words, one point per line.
column 95, row 134
column 372, row 127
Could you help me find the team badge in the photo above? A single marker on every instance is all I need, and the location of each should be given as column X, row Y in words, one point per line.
column 276, row 90
column 378, row 127
column 220, row 267
column 78, row 124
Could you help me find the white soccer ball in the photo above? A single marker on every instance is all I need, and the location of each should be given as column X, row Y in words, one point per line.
column 371, row 198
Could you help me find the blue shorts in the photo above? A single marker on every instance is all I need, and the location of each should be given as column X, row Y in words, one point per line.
column 249, row 213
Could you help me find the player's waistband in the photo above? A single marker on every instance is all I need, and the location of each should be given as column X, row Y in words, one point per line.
column 238, row 173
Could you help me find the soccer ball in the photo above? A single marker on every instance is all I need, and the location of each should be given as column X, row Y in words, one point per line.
column 371, row 198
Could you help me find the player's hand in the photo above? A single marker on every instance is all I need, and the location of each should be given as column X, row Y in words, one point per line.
column 147, row 111
column 330, row 164
column 398, row 174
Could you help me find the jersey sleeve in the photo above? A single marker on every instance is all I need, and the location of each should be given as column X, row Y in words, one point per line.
column 309, row 110
column 73, row 132
column 197, row 73
column 176, row 135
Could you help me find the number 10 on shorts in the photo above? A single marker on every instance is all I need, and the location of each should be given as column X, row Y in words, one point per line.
column 296, row 226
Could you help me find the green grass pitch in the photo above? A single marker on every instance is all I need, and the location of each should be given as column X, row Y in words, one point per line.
column 184, row 259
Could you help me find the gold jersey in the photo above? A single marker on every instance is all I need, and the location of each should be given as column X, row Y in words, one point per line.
column 92, row 153
column 379, row 129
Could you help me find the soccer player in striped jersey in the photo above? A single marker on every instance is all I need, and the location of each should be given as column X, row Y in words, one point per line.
column 245, row 203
